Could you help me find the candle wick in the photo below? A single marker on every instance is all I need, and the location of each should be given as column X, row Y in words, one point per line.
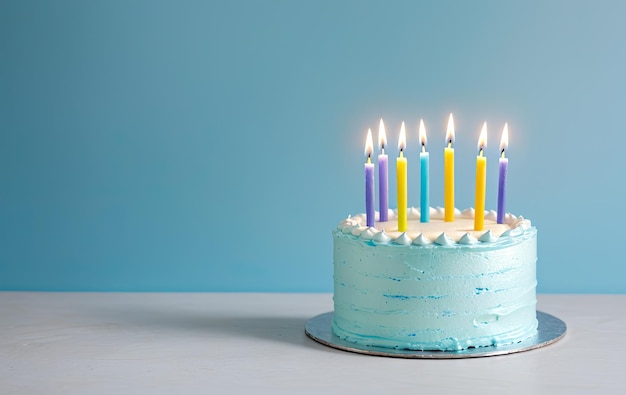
column 450, row 143
column 369, row 160
column 382, row 149
column 502, row 153
column 480, row 151
column 423, row 147
column 401, row 152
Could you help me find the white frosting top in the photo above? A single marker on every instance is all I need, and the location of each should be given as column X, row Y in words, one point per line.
column 459, row 231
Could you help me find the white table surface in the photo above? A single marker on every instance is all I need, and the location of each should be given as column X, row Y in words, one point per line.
column 214, row 343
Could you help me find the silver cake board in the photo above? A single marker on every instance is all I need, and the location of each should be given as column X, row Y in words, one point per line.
column 550, row 330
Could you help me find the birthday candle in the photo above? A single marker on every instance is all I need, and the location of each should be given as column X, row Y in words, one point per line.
column 448, row 169
column 424, row 181
column 383, row 183
column 481, row 181
column 369, row 181
column 503, row 170
column 401, row 166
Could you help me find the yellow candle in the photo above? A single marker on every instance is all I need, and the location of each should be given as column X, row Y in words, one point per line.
column 448, row 177
column 401, row 165
column 481, row 181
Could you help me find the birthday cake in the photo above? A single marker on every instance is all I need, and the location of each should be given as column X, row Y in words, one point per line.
column 438, row 285
column 434, row 279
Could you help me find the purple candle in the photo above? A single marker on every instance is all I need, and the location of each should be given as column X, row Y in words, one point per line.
column 503, row 170
column 424, row 181
column 383, row 183
column 369, row 181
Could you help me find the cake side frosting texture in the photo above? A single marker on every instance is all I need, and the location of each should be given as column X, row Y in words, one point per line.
column 438, row 292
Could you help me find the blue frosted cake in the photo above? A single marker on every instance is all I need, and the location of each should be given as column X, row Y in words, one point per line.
column 437, row 286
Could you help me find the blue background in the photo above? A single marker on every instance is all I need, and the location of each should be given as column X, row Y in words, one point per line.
column 213, row 146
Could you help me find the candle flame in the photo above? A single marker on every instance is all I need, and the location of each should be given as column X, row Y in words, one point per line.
column 450, row 133
column 382, row 136
column 504, row 140
column 369, row 145
column 482, row 140
column 422, row 135
column 402, row 139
